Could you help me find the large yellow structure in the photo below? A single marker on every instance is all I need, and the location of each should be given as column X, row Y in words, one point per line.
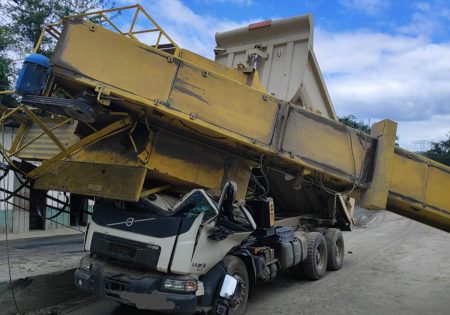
column 166, row 118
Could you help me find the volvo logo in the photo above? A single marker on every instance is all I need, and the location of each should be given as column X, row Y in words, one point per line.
column 129, row 222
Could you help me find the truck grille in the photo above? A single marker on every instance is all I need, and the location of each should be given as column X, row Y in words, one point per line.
column 125, row 251
column 122, row 249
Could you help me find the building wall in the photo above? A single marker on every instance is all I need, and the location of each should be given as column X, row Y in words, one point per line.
column 14, row 213
column 62, row 219
column 7, row 182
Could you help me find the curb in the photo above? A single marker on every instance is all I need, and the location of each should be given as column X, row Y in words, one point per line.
column 33, row 293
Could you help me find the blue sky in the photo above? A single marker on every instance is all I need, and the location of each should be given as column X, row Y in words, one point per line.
column 380, row 59
column 341, row 15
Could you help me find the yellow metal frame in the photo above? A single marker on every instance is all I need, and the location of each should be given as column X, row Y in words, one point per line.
column 108, row 131
column 54, row 29
column 25, row 116
column 7, row 92
column 155, row 190
column 66, row 151
column 187, row 88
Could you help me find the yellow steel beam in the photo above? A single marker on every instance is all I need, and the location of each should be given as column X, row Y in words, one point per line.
column 111, row 23
column 41, row 37
column 15, row 151
column 107, row 131
column 151, row 30
column 155, row 190
column 102, row 11
column 177, row 49
column 52, row 31
column 17, row 138
column 375, row 196
column 49, row 132
column 418, row 188
column 130, row 31
column 12, row 113
column 95, row 179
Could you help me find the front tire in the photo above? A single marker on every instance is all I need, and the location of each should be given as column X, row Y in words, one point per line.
column 315, row 264
column 336, row 249
column 235, row 267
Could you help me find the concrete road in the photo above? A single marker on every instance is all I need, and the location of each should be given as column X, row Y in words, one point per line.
column 41, row 268
column 48, row 244
column 396, row 266
column 41, row 255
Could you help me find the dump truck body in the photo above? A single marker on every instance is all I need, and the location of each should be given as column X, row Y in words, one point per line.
column 207, row 176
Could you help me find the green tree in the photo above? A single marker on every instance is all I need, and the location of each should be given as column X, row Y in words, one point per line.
column 5, row 67
column 26, row 18
column 352, row 122
column 440, row 151
column 21, row 26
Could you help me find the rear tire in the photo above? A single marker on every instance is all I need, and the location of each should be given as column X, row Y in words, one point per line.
column 315, row 265
column 336, row 249
column 236, row 267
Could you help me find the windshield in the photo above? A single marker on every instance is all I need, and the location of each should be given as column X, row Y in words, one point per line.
column 195, row 203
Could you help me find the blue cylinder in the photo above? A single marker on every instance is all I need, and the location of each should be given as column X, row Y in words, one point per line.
column 33, row 75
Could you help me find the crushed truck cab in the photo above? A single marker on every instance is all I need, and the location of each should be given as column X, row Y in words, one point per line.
column 178, row 254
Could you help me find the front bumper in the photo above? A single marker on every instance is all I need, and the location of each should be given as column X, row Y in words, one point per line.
column 141, row 291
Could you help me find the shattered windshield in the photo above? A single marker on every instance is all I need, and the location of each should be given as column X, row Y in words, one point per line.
column 195, row 203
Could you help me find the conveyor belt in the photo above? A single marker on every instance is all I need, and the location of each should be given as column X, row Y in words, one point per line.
column 234, row 114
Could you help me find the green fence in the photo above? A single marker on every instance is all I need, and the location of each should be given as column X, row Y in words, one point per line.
column 6, row 220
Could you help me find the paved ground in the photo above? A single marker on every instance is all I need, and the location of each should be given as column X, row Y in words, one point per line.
column 41, row 255
column 42, row 269
column 397, row 266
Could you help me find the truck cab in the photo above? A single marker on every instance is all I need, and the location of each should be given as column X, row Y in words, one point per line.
column 197, row 254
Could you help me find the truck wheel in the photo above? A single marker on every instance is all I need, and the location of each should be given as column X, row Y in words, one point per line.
column 236, row 268
column 315, row 265
column 336, row 249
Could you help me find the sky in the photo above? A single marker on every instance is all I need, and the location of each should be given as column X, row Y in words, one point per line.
column 380, row 58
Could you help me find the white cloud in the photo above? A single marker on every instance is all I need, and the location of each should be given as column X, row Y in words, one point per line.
column 375, row 75
column 237, row 2
column 421, row 24
column 428, row 19
column 433, row 129
column 187, row 28
column 369, row 7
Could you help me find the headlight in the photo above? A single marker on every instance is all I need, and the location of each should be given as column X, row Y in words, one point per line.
column 85, row 264
column 180, row 285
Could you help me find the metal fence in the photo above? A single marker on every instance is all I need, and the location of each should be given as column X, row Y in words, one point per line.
column 16, row 213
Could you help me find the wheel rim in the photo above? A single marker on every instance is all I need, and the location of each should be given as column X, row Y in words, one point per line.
column 238, row 298
column 339, row 252
column 320, row 257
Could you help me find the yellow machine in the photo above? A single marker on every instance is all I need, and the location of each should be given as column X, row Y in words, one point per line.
column 118, row 119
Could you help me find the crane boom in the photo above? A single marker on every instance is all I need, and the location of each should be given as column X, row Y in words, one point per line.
column 172, row 117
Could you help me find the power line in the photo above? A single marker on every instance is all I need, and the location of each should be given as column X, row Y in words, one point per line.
column 6, row 237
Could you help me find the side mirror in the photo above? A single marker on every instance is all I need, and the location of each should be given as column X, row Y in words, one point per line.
column 227, row 196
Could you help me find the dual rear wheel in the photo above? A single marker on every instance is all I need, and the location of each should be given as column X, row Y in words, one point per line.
column 335, row 249
column 324, row 252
